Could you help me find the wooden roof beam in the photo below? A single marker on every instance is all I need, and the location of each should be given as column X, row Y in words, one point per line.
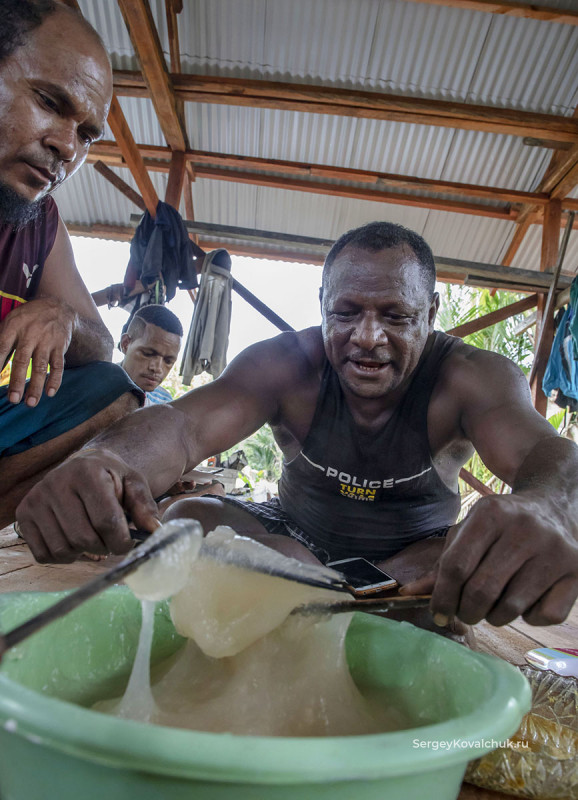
column 132, row 156
column 360, row 193
column 560, row 178
column 362, row 104
column 176, row 179
column 109, row 153
column 145, row 40
column 119, row 184
column 493, row 317
column 507, row 8
column 172, row 8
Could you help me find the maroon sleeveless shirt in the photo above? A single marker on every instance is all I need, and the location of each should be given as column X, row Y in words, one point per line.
column 23, row 253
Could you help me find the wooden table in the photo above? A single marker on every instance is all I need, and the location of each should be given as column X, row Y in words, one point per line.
column 20, row 573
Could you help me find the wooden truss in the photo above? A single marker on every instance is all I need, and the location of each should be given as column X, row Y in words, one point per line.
column 168, row 88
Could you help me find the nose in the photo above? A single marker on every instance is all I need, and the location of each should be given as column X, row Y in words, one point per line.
column 62, row 139
column 368, row 333
column 156, row 365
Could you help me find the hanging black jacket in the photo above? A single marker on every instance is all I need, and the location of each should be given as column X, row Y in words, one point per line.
column 161, row 250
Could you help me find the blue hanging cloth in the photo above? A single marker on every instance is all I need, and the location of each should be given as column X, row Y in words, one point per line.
column 561, row 370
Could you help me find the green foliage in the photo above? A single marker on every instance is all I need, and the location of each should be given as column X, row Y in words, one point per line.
column 558, row 421
column 461, row 304
column 263, row 454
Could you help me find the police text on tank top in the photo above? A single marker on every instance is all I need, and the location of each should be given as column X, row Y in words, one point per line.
column 364, row 494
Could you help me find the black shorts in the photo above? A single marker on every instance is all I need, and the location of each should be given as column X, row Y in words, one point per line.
column 275, row 520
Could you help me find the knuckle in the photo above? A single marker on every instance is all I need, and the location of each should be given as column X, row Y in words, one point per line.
column 455, row 571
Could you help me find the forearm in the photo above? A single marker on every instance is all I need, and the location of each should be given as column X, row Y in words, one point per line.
column 91, row 341
column 152, row 441
column 548, row 473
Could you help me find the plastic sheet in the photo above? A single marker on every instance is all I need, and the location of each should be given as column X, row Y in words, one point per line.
column 541, row 760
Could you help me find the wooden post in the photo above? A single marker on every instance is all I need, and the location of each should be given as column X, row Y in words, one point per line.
column 545, row 326
column 176, row 179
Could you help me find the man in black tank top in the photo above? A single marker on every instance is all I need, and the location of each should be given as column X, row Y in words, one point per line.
column 375, row 413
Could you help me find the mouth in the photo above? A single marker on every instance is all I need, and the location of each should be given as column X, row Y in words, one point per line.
column 368, row 366
column 42, row 175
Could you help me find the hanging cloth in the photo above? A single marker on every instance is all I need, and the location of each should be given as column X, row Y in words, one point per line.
column 561, row 371
column 206, row 348
column 161, row 256
column 574, row 321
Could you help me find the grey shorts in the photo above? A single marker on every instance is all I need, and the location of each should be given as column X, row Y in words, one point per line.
column 275, row 520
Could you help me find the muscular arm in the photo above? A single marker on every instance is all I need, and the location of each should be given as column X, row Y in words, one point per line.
column 61, row 281
column 60, row 323
column 514, row 553
column 81, row 504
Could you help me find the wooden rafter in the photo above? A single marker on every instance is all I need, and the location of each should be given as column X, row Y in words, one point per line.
column 508, row 8
column 108, row 152
column 560, row 178
column 172, row 8
column 363, row 104
column 495, row 316
column 305, row 177
column 360, row 193
column 145, row 39
column 176, row 179
column 119, row 184
column 545, row 327
column 127, row 146
column 132, row 156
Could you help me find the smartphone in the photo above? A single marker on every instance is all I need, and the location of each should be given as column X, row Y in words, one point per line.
column 362, row 576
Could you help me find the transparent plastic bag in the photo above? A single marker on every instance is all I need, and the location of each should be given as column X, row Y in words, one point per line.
column 541, row 759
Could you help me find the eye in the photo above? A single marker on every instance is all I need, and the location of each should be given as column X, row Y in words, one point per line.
column 85, row 138
column 397, row 319
column 48, row 102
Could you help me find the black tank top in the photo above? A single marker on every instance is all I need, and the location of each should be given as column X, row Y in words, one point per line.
column 355, row 493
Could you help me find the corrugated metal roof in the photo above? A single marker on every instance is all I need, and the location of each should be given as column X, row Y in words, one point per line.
column 409, row 48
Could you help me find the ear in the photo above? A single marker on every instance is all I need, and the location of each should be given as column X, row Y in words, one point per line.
column 125, row 340
column 433, row 310
column 321, row 298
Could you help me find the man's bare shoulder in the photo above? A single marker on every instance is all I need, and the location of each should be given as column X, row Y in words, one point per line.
column 471, row 366
column 291, row 357
column 473, row 381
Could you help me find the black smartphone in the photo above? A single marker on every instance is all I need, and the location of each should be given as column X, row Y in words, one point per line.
column 362, row 576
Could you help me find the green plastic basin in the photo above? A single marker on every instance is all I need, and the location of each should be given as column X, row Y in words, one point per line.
column 53, row 748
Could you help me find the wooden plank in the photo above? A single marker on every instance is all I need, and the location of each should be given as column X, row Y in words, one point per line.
column 495, row 316
column 506, row 642
column 189, row 207
column 545, row 316
column 119, row 184
column 517, row 239
column 563, row 635
column 361, row 104
column 476, row 484
column 173, row 32
column 508, row 8
column 560, row 178
column 359, row 193
column 108, row 152
column 132, row 156
column 145, row 40
column 176, row 179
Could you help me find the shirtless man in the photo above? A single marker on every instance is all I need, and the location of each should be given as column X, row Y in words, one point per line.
column 55, row 91
column 375, row 413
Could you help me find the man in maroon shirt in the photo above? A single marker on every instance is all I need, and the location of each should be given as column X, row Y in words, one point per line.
column 55, row 91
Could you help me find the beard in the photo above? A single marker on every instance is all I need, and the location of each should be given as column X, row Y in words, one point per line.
column 16, row 210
